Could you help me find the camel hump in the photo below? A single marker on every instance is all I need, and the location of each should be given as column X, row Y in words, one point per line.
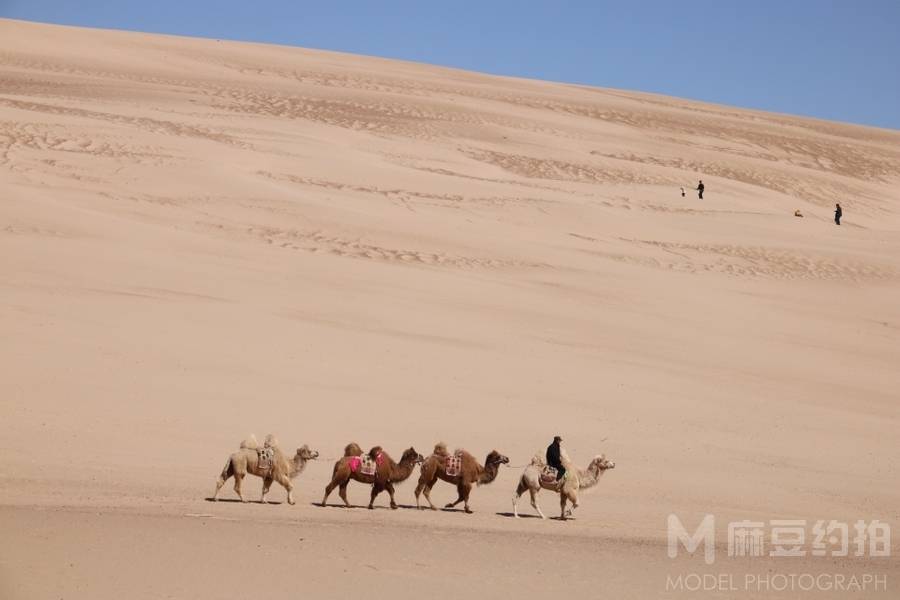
column 440, row 449
column 537, row 460
column 375, row 452
column 352, row 449
column 250, row 443
column 271, row 441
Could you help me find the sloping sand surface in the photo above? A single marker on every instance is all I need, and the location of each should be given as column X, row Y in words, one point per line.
column 201, row 239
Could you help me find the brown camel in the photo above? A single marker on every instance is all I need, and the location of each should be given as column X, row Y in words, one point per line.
column 469, row 473
column 574, row 480
column 353, row 449
column 268, row 462
column 387, row 472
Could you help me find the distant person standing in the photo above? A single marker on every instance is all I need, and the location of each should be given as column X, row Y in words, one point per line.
column 838, row 213
column 700, row 188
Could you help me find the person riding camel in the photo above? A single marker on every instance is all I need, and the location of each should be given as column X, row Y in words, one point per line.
column 555, row 456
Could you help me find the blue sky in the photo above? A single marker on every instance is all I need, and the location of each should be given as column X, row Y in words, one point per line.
column 825, row 58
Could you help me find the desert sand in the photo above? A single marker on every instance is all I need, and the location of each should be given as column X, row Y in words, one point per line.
column 203, row 239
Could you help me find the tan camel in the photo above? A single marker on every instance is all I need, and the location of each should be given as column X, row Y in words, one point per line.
column 387, row 472
column 470, row 473
column 574, row 480
column 268, row 462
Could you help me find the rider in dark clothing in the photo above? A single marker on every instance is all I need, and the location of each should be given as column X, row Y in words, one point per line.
column 554, row 458
column 838, row 213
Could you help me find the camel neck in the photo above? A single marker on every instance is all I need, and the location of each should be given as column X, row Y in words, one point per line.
column 402, row 471
column 489, row 472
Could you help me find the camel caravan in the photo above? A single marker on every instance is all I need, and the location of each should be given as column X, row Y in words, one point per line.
column 378, row 470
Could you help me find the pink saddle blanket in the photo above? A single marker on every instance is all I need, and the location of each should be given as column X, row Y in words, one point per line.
column 364, row 464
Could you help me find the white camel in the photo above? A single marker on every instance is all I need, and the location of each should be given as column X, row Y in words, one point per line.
column 574, row 480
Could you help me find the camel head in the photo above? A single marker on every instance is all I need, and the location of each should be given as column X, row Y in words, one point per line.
column 601, row 463
column 495, row 458
column 305, row 453
column 410, row 454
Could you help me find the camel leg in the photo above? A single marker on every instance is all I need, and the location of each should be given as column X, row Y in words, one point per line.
column 562, row 505
column 288, row 485
column 390, row 490
column 227, row 472
column 460, row 494
column 219, row 483
column 342, row 491
column 463, row 490
column 419, row 487
column 428, row 495
column 534, row 503
column 459, row 498
column 267, row 483
column 520, row 489
column 238, row 478
column 328, row 489
column 467, row 489
column 377, row 488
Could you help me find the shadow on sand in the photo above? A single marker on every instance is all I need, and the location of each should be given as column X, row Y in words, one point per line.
column 364, row 506
column 522, row 516
column 236, row 501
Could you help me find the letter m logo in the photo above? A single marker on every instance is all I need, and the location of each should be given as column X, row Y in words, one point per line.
column 705, row 535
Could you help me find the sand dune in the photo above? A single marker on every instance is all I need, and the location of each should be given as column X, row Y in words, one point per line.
column 201, row 239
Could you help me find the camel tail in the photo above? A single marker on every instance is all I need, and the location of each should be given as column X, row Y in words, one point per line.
column 228, row 471
column 250, row 443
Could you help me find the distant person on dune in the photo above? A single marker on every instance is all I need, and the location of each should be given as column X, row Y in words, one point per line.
column 838, row 213
column 700, row 188
column 554, row 457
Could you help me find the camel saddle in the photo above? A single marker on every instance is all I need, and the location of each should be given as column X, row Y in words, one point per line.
column 548, row 475
column 265, row 458
column 453, row 464
column 365, row 464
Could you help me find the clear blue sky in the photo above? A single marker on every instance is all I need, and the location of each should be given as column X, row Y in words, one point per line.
column 834, row 59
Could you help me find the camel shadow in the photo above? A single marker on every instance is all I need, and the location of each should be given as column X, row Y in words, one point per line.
column 363, row 506
column 453, row 510
column 236, row 501
column 511, row 515
column 336, row 505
